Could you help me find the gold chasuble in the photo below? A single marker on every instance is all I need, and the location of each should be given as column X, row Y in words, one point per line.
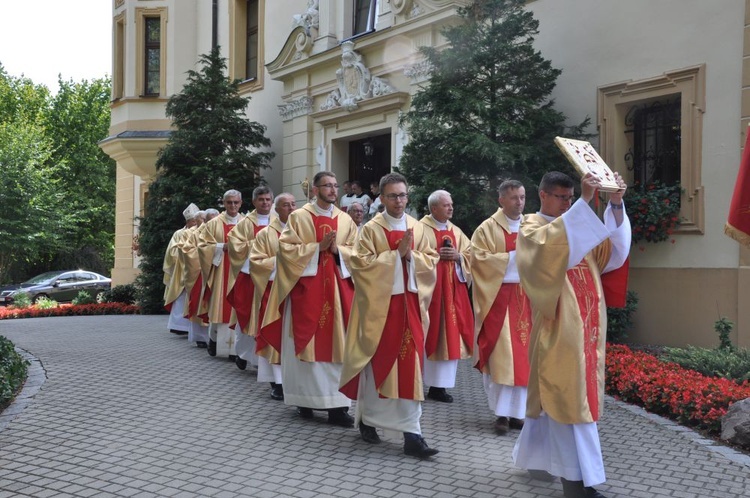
column 193, row 280
column 214, row 301
column 240, row 286
column 387, row 331
column 173, row 269
column 262, row 264
column 450, row 335
column 502, row 310
column 320, row 303
column 569, row 323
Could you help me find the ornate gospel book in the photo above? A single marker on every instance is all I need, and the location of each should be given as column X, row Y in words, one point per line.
column 585, row 159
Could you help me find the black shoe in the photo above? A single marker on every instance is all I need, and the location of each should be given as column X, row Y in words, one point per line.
column 304, row 412
column 277, row 391
column 502, row 425
column 541, row 475
column 515, row 423
column 368, row 433
column 340, row 417
column 439, row 394
column 211, row 347
column 575, row 489
column 415, row 445
column 241, row 364
column 201, row 345
column 178, row 332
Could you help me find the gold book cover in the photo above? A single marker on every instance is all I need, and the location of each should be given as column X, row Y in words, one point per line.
column 585, row 159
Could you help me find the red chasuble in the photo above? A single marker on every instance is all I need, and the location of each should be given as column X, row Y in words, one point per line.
column 402, row 342
column 588, row 306
column 314, row 299
column 450, row 307
column 511, row 301
column 271, row 334
column 241, row 295
column 195, row 297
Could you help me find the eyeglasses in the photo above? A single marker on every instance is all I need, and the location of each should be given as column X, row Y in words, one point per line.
column 328, row 185
column 393, row 197
column 564, row 198
column 232, row 202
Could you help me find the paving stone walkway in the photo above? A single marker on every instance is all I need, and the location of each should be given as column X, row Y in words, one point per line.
column 118, row 407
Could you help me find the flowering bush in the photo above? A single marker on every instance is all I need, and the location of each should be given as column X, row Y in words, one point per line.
column 13, row 371
column 653, row 210
column 667, row 389
column 71, row 310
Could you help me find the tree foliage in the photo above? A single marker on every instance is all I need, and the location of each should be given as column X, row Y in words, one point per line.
column 57, row 187
column 486, row 114
column 213, row 148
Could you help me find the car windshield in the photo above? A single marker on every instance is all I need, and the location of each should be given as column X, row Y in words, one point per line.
column 43, row 278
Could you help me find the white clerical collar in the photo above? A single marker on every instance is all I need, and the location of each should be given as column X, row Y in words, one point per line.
column 264, row 219
column 323, row 212
column 441, row 225
column 514, row 225
column 395, row 223
column 232, row 221
column 546, row 217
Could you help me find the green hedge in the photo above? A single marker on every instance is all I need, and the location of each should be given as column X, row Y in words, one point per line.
column 13, row 370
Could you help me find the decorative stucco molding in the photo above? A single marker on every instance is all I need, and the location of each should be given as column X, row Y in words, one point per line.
column 295, row 108
column 418, row 72
column 310, row 19
column 354, row 82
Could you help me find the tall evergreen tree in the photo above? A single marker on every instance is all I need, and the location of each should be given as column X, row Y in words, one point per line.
column 485, row 115
column 213, row 148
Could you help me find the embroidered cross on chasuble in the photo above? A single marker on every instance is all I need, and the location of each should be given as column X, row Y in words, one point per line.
column 316, row 300
column 588, row 305
column 401, row 350
column 450, row 310
column 510, row 309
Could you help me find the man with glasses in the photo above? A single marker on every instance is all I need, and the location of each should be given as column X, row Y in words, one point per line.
column 357, row 212
column 314, row 285
column 450, row 336
column 502, row 310
column 212, row 250
column 240, row 296
column 562, row 252
column 393, row 267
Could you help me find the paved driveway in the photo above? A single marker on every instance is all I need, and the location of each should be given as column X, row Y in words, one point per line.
column 128, row 409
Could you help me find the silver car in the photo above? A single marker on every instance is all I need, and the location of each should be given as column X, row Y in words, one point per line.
column 62, row 286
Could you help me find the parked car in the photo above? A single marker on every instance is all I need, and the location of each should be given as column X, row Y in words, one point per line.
column 62, row 286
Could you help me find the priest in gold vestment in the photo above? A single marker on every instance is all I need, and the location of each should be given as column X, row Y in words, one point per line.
column 174, row 272
column 240, row 287
column 263, row 271
column 450, row 336
column 393, row 267
column 562, row 252
column 193, row 281
column 313, row 283
column 502, row 310
column 212, row 253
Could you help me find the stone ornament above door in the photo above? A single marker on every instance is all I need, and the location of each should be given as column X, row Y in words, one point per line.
column 354, row 82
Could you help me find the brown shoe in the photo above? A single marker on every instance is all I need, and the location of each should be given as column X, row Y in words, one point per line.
column 502, row 425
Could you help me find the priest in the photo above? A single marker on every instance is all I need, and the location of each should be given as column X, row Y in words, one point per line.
column 562, row 252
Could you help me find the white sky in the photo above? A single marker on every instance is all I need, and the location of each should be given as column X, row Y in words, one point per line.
column 43, row 38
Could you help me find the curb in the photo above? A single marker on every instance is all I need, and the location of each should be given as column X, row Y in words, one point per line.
column 686, row 432
column 34, row 381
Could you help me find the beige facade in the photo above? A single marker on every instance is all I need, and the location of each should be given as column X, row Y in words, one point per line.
column 331, row 99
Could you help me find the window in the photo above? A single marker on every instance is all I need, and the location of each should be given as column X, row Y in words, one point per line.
column 151, row 53
column 152, row 56
column 251, row 64
column 246, row 43
column 652, row 130
column 365, row 13
column 118, row 57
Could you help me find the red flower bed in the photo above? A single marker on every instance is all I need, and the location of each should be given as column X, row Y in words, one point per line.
column 71, row 310
column 670, row 390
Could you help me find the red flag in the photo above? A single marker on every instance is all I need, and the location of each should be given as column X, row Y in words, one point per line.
column 738, row 221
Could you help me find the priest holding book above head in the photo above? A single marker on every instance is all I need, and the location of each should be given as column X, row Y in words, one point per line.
column 562, row 252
